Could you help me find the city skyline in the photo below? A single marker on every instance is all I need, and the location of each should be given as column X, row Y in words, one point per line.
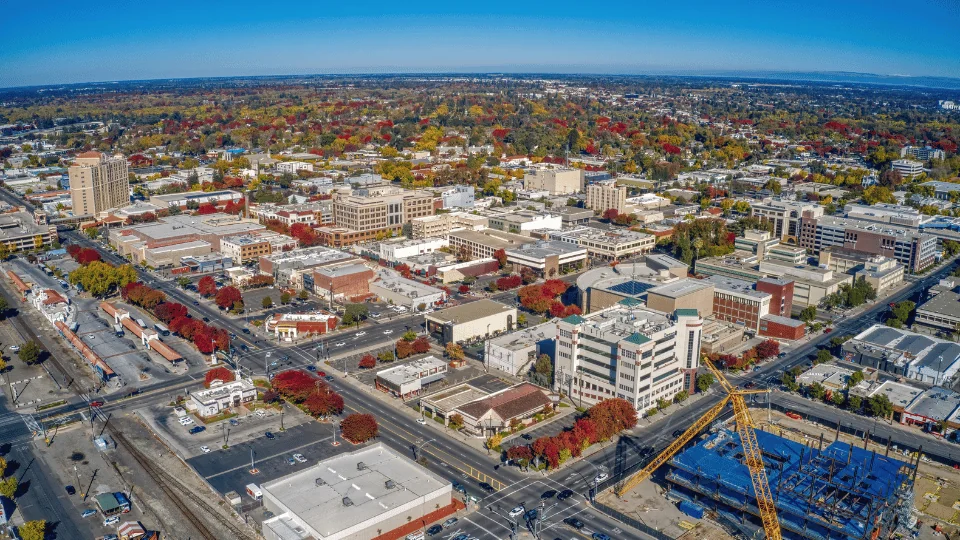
column 133, row 42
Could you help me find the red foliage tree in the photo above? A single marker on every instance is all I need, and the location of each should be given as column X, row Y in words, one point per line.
column 501, row 257
column 86, row 256
column 304, row 234
column 358, row 428
column 585, row 429
column 177, row 323
column 227, row 296
column 324, row 402
column 612, row 416
column 509, row 282
column 557, row 308
column 522, row 454
column 404, row 348
column 421, row 345
column 549, row 450
column 404, row 270
column 463, row 289
column 610, row 214
column 571, row 310
column 207, row 286
column 554, row 288
column 169, row 311
column 368, row 362
column 203, row 338
column 218, row 374
column 768, row 349
column 221, row 339
column 207, row 209
column 294, row 384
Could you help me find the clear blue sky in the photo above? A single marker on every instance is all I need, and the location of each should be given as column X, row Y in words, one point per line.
column 71, row 41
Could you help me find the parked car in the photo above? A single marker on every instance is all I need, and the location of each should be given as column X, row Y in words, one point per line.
column 434, row 530
column 87, row 513
column 677, row 433
column 565, row 494
column 311, row 368
column 185, row 421
column 422, row 421
column 234, row 422
column 70, row 490
column 450, row 522
column 601, row 477
column 517, row 510
column 531, row 514
column 197, row 429
column 14, row 348
column 291, row 461
column 549, row 494
column 268, row 435
column 112, row 520
column 328, row 378
column 300, row 458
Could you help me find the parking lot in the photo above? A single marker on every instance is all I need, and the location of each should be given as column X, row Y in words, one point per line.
column 229, row 470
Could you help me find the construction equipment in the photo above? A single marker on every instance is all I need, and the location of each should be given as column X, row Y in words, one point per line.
column 752, row 458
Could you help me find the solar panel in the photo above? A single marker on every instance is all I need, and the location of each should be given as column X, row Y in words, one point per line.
column 631, row 287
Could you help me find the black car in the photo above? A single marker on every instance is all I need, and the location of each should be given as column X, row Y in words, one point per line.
column 531, row 514
column 197, row 429
column 328, row 378
column 549, row 494
column 677, row 433
column 457, row 486
column 206, row 319
column 71, row 490
column 574, row 522
column 565, row 494
column 435, row 530
column 246, row 330
column 526, row 437
column 269, row 435
column 486, row 487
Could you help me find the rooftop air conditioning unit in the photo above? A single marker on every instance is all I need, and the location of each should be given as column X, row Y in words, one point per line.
column 320, row 482
column 389, row 484
column 347, row 501
column 361, row 466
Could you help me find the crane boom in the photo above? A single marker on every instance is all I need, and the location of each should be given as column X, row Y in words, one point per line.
column 674, row 447
column 753, row 457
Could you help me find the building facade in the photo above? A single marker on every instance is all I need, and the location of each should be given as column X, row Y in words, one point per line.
column 785, row 215
column 914, row 250
column 605, row 195
column 98, row 182
column 557, row 181
column 628, row 352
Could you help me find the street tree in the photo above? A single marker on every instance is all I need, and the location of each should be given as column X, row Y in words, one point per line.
column 303, row 295
column 33, row 530
column 285, row 298
column 267, row 302
column 8, row 487
column 705, row 381
column 29, row 353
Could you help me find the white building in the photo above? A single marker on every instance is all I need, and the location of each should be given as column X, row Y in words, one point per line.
column 394, row 251
column 512, row 353
column 294, row 166
column 406, row 292
column 907, row 168
column 558, row 181
column 409, row 379
column 628, row 352
column 222, row 395
column 605, row 195
column 483, row 318
column 785, row 215
column 458, row 197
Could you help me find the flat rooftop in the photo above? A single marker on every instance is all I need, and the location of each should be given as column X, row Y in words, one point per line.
column 493, row 238
column 418, row 369
column 352, row 489
column 544, row 249
column 528, row 337
column 739, row 286
column 946, row 304
column 626, row 320
column 470, row 311
column 219, row 224
column 407, row 287
column 680, row 288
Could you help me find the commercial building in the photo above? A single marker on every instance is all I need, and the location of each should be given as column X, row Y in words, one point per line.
column 514, row 352
column 222, row 395
column 894, row 214
column 915, row 356
column 942, row 190
column 380, row 209
column 780, row 327
column 557, row 181
column 611, row 245
column 21, row 231
column 357, row 495
column 736, row 301
column 683, row 294
column 915, row 250
column 482, row 244
column 347, row 281
column 571, row 215
column 405, row 292
column 458, row 197
column 940, row 315
column 483, row 318
column 781, row 293
column 523, row 221
column 393, row 251
column 785, row 215
column 290, row 268
column 605, row 195
column 196, row 198
column 98, row 182
column 858, row 493
column 547, row 258
column 409, row 379
column 498, row 411
column 163, row 242
column 293, row 167
column 443, row 224
column 882, row 273
column 923, row 153
column 907, row 168
column 628, row 352
column 720, row 336
column 248, row 247
column 605, row 286
column 292, row 326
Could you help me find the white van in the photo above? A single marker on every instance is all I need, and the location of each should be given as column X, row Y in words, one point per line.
column 415, row 536
column 254, row 491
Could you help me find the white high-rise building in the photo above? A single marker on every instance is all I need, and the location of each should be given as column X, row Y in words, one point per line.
column 629, row 352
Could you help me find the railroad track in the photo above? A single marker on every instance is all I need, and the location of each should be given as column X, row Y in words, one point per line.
column 167, row 483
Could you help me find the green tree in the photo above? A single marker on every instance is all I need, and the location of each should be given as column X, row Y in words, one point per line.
column 33, row 530
column 267, row 302
column 386, row 356
column 8, row 487
column 29, row 353
column 879, row 405
column 855, row 379
column 903, row 310
column 522, row 319
column 837, row 398
column 544, row 368
column 183, row 282
column 355, row 314
column 789, row 380
column 816, row 391
column 705, row 381
column 303, row 294
column 854, row 403
column 681, row 396
column 409, row 335
column 3, row 466
column 455, row 422
column 4, row 306
column 92, row 232
column 808, row 314
column 285, row 298
column 823, row 356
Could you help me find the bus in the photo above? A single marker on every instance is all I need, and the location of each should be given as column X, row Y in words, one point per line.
column 163, row 330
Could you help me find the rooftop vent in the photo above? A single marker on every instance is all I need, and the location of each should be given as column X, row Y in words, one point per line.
column 320, row 482
column 361, row 466
column 389, row 484
column 347, row 501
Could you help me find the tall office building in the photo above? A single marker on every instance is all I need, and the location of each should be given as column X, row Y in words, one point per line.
column 98, row 182
column 605, row 195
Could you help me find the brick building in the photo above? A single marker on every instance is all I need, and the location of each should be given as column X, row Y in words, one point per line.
column 779, row 327
column 781, row 294
column 350, row 281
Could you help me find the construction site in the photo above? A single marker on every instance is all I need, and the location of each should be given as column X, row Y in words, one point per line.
column 835, row 492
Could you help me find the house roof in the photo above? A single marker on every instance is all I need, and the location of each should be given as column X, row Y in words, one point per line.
column 510, row 403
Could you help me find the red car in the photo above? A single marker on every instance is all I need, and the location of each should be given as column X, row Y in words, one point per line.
column 96, row 403
column 827, row 330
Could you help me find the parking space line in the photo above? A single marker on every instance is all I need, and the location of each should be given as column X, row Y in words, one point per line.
column 287, row 451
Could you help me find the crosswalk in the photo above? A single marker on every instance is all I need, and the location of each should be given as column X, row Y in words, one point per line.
column 17, row 428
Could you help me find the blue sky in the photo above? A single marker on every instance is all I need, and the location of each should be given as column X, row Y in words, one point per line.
column 65, row 42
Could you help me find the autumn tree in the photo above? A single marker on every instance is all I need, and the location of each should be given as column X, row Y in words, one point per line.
column 368, row 362
column 454, row 351
column 207, row 286
column 228, row 296
column 33, row 530
column 456, row 421
column 359, row 427
column 221, row 374
column 768, row 349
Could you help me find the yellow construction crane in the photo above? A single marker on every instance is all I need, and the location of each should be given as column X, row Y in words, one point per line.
column 751, row 450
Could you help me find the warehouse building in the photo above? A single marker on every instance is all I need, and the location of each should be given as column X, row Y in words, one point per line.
column 482, row 318
column 369, row 493
column 409, row 293
column 409, row 379
column 915, row 356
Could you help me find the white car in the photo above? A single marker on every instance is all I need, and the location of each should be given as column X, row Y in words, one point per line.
column 112, row 520
column 387, row 332
column 422, row 421
column 268, row 354
column 360, row 334
column 90, row 336
column 517, row 511
column 205, row 449
column 300, row 458
column 601, row 477
column 341, row 344
column 186, row 421
column 14, row 348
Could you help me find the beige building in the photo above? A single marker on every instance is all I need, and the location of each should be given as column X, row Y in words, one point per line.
column 558, row 181
column 380, row 208
column 471, row 320
column 607, row 194
column 683, row 294
column 442, row 224
column 98, row 182
column 482, row 244
column 247, row 247
column 882, row 273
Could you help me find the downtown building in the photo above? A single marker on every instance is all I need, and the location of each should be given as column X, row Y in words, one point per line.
column 372, row 212
column 914, row 250
column 785, row 215
column 605, row 195
column 628, row 351
column 98, row 183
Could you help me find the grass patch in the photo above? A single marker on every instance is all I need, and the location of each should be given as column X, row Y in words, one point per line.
column 226, row 415
column 562, row 404
column 51, row 405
